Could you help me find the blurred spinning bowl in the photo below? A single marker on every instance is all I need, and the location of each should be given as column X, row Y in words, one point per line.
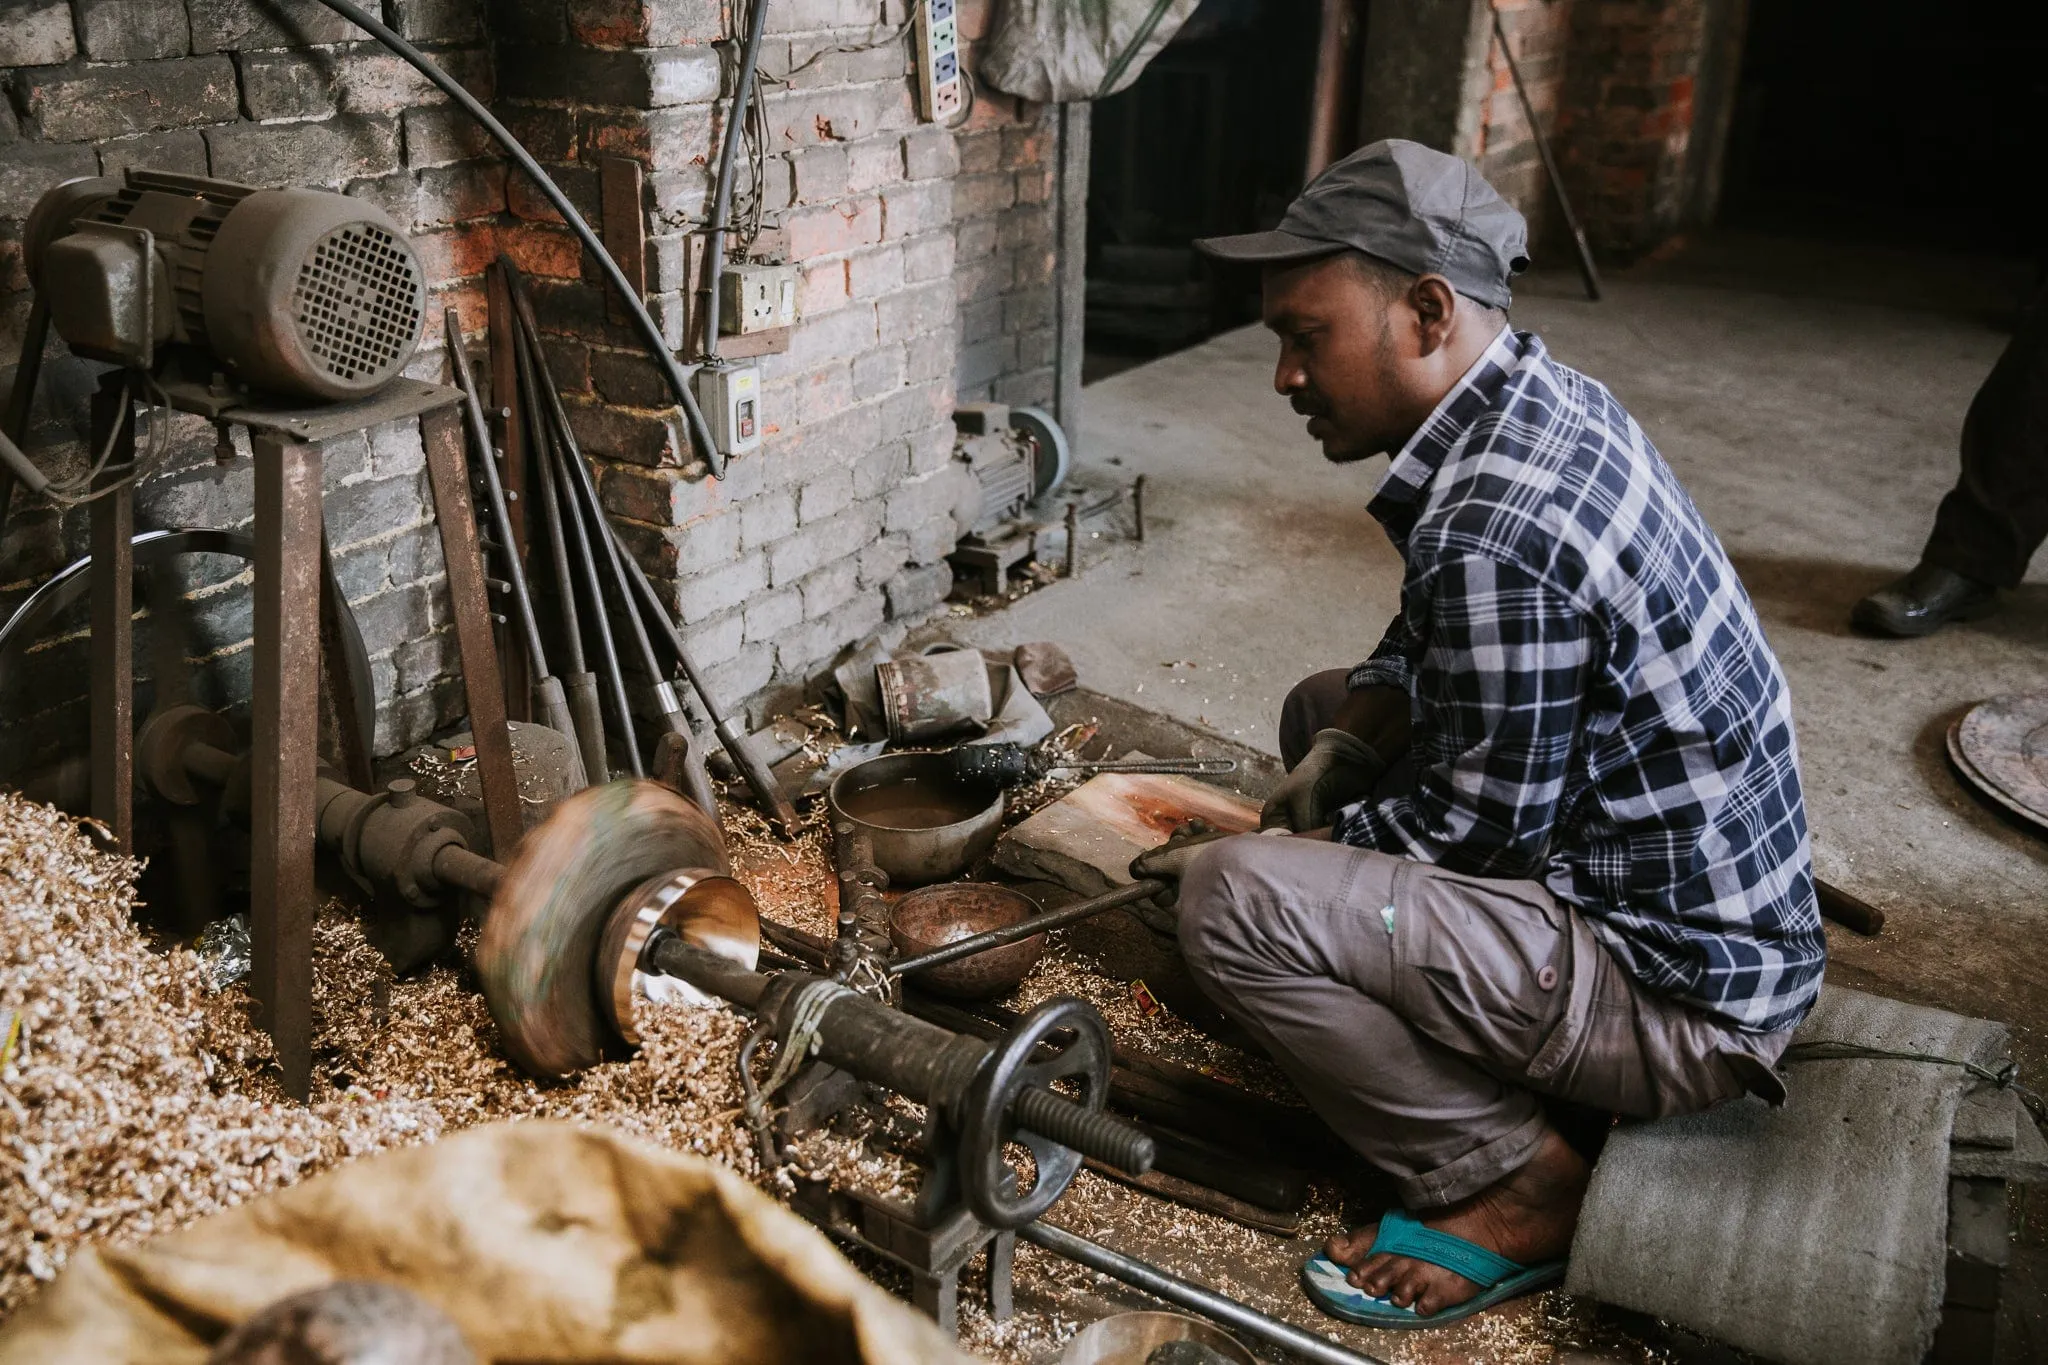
column 938, row 915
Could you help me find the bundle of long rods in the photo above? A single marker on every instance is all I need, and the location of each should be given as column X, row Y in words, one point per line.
column 602, row 598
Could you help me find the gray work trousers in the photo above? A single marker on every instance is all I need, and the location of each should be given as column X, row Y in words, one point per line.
column 1422, row 1012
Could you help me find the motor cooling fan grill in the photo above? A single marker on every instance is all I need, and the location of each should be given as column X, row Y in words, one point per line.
column 356, row 303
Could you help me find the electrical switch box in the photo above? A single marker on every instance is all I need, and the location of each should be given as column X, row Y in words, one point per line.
column 756, row 298
column 940, row 82
column 731, row 398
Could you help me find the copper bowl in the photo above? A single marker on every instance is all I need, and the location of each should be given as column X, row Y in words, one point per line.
column 937, row 915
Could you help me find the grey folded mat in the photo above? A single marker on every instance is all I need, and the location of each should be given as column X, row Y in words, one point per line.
column 1811, row 1234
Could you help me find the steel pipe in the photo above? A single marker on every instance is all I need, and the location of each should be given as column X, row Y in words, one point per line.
column 1186, row 1294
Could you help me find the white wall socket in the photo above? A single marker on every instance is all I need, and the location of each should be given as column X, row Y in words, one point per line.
column 731, row 398
column 756, row 298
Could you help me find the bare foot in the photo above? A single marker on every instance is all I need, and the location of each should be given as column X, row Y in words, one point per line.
column 1527, row 1217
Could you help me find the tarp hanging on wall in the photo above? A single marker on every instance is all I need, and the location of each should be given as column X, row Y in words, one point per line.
column 1058, row 51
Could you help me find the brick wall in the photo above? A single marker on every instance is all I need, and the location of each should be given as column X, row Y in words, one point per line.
column 1504, row 146
column 835, row 528
column 267, row 93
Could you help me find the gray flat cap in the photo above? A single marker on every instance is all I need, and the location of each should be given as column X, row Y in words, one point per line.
column 1422, row 210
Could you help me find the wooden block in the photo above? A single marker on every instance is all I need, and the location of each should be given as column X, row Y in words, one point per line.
column 1085, row 840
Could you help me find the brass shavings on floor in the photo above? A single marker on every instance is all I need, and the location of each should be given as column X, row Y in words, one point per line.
column 793, row 881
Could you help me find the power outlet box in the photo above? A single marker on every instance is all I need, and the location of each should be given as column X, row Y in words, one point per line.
column 756, row 298
column 941, row 84
column 731, row 398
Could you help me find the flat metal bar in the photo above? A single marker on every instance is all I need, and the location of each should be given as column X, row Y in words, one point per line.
column 1196, row 1298
column 1589, row 273
column 620, row 180
column 441, row 432
column 284, row 748
column 112, row 683
column 351, row 707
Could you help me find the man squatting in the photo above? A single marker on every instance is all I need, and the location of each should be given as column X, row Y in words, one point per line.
column 1550, row 849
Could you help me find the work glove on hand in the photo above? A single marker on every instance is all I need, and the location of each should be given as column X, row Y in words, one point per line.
column 1338, row 769
column 1169, row 862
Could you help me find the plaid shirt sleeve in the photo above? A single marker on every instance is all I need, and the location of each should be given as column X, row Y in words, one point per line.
column 1498, row 683
column 1388, row 665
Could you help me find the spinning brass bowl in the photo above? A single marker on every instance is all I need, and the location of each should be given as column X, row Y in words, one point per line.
column 937, row 915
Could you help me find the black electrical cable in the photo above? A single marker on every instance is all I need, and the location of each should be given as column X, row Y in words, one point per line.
column 721, row 202
column 678, row 383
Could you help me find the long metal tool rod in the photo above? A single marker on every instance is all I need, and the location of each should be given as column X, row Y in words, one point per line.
column 1587, row 270
column 1189, row 1295
column 585, row 711
column 1037, row 924
column 650, row 331
column 22, row 397
column 547, row 688
column 736, row 117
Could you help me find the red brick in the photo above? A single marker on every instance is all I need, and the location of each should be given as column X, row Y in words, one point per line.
column 837, row 228
column 824, row 288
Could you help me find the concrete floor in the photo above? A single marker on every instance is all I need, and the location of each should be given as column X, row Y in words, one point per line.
column 1810, row 399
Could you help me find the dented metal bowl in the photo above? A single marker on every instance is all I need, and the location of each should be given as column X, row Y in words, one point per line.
column 938, row 915
column 926, row 824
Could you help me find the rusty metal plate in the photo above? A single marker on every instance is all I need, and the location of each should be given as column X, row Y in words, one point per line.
column 2001, row 747
column 403, row 397
column 538, row 950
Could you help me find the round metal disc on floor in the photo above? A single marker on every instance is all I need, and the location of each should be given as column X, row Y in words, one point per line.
column 2001, row 747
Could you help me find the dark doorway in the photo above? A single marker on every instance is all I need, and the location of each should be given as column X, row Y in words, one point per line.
column 1212, row 139
column 1904, row 122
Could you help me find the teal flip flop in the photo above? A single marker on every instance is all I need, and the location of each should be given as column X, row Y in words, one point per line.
column 1498, row 1278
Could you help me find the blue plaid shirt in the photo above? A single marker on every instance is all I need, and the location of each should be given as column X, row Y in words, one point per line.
column 1593, row 702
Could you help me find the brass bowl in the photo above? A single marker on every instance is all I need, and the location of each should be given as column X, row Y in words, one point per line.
column 937, row 915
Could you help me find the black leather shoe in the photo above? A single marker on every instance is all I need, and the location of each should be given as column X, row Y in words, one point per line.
column 1924, row 601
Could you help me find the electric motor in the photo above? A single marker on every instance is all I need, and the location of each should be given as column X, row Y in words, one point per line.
column 297, row 292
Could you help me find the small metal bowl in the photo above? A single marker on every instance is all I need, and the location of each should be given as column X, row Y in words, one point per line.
column 1128, row 1338
column 924, row 822
column 938, row 915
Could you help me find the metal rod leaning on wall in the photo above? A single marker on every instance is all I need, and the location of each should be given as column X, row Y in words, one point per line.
column 582, row 491
column 650, row 332
column 1191, row 1296
column 1587, row 270
column 21, row 399
column 549, row 448
column 547, row 689
column 585, row 710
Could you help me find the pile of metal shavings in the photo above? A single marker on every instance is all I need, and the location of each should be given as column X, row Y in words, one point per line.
column 794, row 882
column 445, row 778
column 1166, row 1035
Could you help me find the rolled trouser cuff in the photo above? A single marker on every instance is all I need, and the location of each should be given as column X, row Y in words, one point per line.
column 1477, row 1169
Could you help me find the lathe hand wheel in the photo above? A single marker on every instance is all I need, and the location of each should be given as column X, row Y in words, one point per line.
column 987, row 1178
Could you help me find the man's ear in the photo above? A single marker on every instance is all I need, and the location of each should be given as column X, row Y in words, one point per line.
column 1436, row 308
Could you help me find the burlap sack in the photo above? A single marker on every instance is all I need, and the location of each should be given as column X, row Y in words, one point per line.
column 542, row 1240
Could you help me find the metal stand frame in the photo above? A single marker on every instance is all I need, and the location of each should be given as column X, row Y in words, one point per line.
column 288, row 665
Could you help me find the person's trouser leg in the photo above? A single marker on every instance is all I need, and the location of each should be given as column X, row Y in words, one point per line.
column 1421, row 1012
column 1992, row 521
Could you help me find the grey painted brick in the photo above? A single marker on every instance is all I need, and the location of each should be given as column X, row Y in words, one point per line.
column 916, row 501
column 822, row 173
column 370, row 508
column 933, row 541
column 37, row 33
column 877, row 470
column 437, row 136
column 980, row 319
column 419, row 663
column 881, row 559
column 745, row 675
column 225, row 25
column 874, row 162
column 688, row 75
column 880, row 372
column 928, row 357
column 10, row 126
column 124, row 31
column 718, row 640
column 981, row 363
column 389, row 619
column 457, row 193
column 767, row 518
column 398, row 193
column 710, row 542
column 280, row 85
column 912, row 410
column 980, row 151
column 824, row 496
column 704, row 595
column 816, row 641
column 908, row 210
column 182, row 150
column 344, row 459
column 416, row 555
column 829, row 587
column 930, row 152
column 395, row 448
column 928, row 258
column 819, row 544
column 331, row 152
column 440, row 21
column 363, row 570
column 916, row 591
column 74, row 104
column 918, row 311
column 770, row 614
column 1026, row 388
column 207, row 497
